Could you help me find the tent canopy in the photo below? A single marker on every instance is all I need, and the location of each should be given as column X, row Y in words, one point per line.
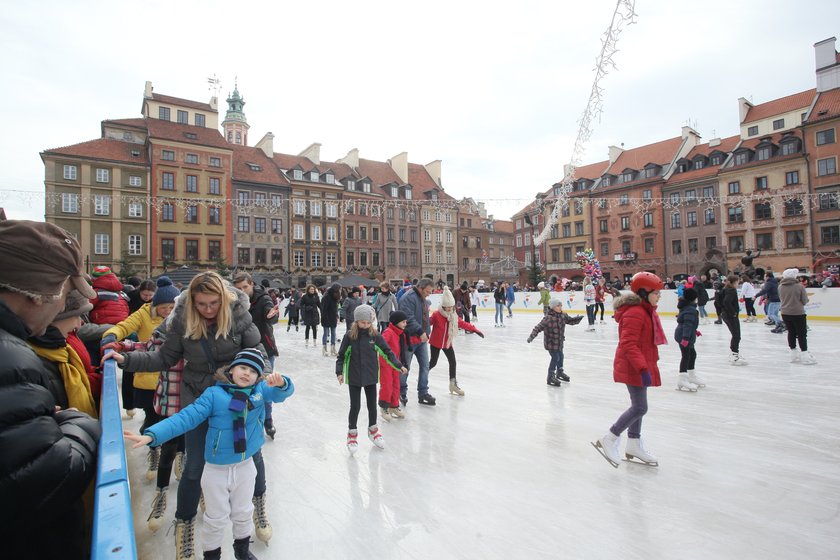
column 356, row 280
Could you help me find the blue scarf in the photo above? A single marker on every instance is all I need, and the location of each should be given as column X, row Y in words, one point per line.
column 240, row 402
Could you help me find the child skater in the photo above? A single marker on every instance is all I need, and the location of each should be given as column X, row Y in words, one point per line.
column 357, row 365
column 686, row 335
column 234, row 408
column 389, row 378
column 553, row 327
column 445, row 324
column 635, row 364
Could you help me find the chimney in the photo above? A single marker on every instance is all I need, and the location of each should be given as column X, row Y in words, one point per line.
column 214, row 103
column 714, row 142
column 266, row 144
column 351, row 159
column 433, row 169
column 744, row 107
column 147, row 93
column 828, row 69
column 399, row 163
column 615, row 152
column 313, row 152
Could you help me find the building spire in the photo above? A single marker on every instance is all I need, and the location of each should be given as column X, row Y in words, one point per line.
column 235, row 124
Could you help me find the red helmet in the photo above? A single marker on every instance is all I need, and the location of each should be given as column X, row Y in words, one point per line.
column 647, row 281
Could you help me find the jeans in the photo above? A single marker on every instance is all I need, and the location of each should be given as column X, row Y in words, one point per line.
column 500, row 313
column 421, row 350
column 556, row 364
column 797, row 330
column 590, row 313
column 702, row 310
column 773, row 312
column 328, row 331
column 632, row 417
column 268, row 402
column 508, row 305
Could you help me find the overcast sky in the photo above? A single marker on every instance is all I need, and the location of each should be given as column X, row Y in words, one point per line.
column 493, row 89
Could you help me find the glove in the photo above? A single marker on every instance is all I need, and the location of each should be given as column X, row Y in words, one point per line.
column 481, row 334
column 684, row 343
column 698, row 333
column 108, row 339
column 116, row 346
column 646, row 379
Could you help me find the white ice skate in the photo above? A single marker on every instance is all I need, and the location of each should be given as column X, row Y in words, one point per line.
column 735, row 359
column 808, row 359
column 692, row 378
column 262, row 527
column 684, row 384
column 352, row 442
column 794, row 356
column 636, row 450
column 376, row 437
column 608, row 447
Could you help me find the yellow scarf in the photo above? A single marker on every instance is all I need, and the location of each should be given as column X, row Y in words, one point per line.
column 73, row 375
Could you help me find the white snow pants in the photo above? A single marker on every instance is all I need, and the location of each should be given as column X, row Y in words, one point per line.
column 228, row 490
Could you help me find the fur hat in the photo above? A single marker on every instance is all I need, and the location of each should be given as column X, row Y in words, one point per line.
column 397, row 317
column 249, row 357
column 790, row 273
column 690, row 295
column 165, row 293
column 364, row 313
column 554, row 301
column 75, row 305
column 448, row 300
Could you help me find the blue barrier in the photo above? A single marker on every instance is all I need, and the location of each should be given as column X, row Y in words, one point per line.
column 113, row 523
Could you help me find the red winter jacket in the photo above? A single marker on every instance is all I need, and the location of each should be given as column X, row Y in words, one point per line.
column 110, row 306
column 440, row 329
column 398, row 342
column 94, row 378
column 636, row 350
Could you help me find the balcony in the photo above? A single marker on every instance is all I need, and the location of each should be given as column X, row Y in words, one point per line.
column 562, row 265
column 625, row 257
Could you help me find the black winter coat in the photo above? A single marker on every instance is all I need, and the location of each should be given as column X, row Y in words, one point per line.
column 553, row 327
column 688, row 319
column 329, row 306
column 309, row 310
column 261, row 304
column 358, row 360
column 730, row 303
column 702, row 294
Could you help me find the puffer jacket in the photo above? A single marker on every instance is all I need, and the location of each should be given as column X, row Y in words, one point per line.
column 730, row 304
column 417, row 309
column 144, row 321
column 197, row 374
column 440, row 329
column 110, row 306
column 329, row 306
column 49, row 458
column 770, row 290
column 688, row 319
column 349, row 308
column 553, row 327
column 636, row 351
column 358, row 360
column 310, row 310
column 261, row 304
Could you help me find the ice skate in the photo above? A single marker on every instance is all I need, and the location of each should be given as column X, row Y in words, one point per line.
column 130, row 412
column 352, row 441
column 215, row 554
column 376, row 436
column 270, row 430
column 333, row 351
column 735, row 359
column 562, row 376
column 608, row 446
column 155, row 518
column 241, row 549
column 779, row 329
column 684, row 384
column 808, row 359
column 262, row 527
column 306, row 343
column 454, row 389
column 426, row 399
column 178, row 465
column 153, row 459
column 636, row 450
column 396, row 412
column 692, row 378
column 553, row 381
column 201, row 505
column 185, row 539
column 326, row 352
column 385, row 414
column 794, row 356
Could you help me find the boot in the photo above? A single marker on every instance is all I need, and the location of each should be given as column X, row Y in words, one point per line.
column 153, row 459
column 158, row 509
column 333, row 351
column 454, row 389
column 297, row 328
column 685, row 384
column 562, row 376
column 426, row 399
column 396, row 412
column 185, row 539
column 241, row 549
column 636, row 450
column 213, row 554
column 270, row 430
column 736, row 360
column 352, row 441
column 262, row 527
column 608, row 446
column 692, row 378
column 719, row 322
column 178, row 465
column 808, row 359
column 376, row 437
column 385, row 414
column 326, row 354
column 794, row 356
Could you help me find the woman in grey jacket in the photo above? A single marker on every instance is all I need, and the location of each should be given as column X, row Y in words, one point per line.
column 794, row 298
column 210, row 324
column 384, row 304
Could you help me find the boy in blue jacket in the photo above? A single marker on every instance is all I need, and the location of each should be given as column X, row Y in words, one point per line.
column 234, row 409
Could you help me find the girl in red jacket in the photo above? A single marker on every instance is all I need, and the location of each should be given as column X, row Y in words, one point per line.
column 635, row 364
column 389, row 378
column 445, row 324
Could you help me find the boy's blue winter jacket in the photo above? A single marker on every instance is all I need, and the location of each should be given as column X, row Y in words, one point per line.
column 212, row 405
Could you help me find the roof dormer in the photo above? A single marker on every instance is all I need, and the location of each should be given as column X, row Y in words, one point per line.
column 628, row 175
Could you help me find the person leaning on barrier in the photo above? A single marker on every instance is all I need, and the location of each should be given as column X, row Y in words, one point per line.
column 48, row 455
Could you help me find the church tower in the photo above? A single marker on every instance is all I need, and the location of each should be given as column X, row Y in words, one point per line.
column 235, row 124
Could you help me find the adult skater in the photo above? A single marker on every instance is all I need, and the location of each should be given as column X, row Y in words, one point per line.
column 499, row 296
column 310, row 311
column 510, row 299
column 686, row 333
column 701, row 285
column 445, row 324
column 794, row 298
column 601, row 291
column 770, row 290
column 415, row 305
column 329, row 317
column 475, row 301
column 635, row 365
column 729, row 315
column 462, row 301
column 210, row 324
column 384, row 304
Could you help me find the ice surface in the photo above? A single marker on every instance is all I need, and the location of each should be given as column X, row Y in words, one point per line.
column 749, row 466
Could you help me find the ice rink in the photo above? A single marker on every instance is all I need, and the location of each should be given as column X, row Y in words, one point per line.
column 749, row 466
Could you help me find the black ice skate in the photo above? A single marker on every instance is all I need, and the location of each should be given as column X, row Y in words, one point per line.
column 553, row 381
column 562, row 376
column 426, row 399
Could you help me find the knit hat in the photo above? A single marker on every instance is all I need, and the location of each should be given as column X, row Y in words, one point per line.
column 790, row 273
column 448, row 300
column 75, row 305
column 397, row 317
column 355, row 290
column 165, row 293
column 251, row 358
column 364, row 313
column 541, row 285
column 690, row 295
column 554, row 301
column 101, row 271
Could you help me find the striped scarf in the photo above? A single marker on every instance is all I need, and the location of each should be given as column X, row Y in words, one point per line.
column 240, row 403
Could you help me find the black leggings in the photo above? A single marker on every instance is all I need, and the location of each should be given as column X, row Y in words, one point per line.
column 450, row 357
column 735, row 330
column 749, row 304
column 356, row 404
column 689, row 355
column 599, row 305
column 797, row 329
column 314, row 332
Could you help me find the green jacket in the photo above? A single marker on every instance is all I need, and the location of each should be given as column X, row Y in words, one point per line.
column 545, row 297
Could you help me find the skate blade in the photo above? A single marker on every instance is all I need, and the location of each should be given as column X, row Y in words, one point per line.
column 686, row 389
column 638, row 461
column 598, row 448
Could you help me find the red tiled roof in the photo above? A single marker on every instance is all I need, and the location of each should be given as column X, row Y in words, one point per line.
column 592, row 171
column 660, row 153
column 726, row 146
column 167, row 130
column 420, row 179
column 379, row 172
column 137, row 123
column 826, row 107
column 268, row 174
column 801, row 100
column 183, row 102
column 286, row 161
column 503, row 226
column 105, row 149
column 774, row 138
column 529, row 208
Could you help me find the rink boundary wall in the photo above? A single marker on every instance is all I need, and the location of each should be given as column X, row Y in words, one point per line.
column 823, row 305
column 113, row 523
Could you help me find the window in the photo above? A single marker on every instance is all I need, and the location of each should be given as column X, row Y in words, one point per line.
column 402, row 258
column 649, row 248
column 764, row 240
column 363, row 233
column 699, row 164
column 675, row 198
column 103, row 175
column 167, row 249
column 567, row 254
column 135, row 245
column 299, row 258
column 763, row 211
column 752, row 131
column 402, row 234
column 163, row 113
column 676, row 220
column 259, row 256
column 350, row 232
column 691, row 219
column 332, row 233
column 192, row 215
column 690, row 195
column 102, row 244
column 300, row 207
column 795, row 239
column 792, row 178
column 244, row 255
column 244, row 224
column 214, row 250
column 135, row 181
column 692, row 246
column 135, row 210
column 565, row 210
column 350, row 258
column 438, row 236
column 578, row 228
column 315, row 207
column 298, row 229
column 625, row 223
column 736, row 214
column 624, row 199
column 829, row 201
column 602, row 203
column 827, row 166
column 183, row 117
column 167, row 213
column 192, row 183
column 709, row 216
column 297, row 174
column 214, row 186
column 332, row 257
column 70, row 203
column 70, row 172
column 778, row 124
column 215, row 162
column 627, row 177
column 794, row 207
column 168, row 181
column 830, row 235
column 711, row 242
column 407, row 191
column 374, row 234
column 102, row 205
column 363, row 209
column 214, row 215
column 191, row 159
column 742, row 157
column 646, row 195
column 823, row 137
column 604, row 226
column 390, row 233
column 605, row 249
column 314, row 232
column 734, row 187
column 676, row 247
column 167, row 155
column 199, row 119
column 259, row 225
column 736, row 244
column 578, row 207
column 716, row 159
column 760, row 183
column 648, row 219
column 316, row 259
column 395, row 192
column 332, row 210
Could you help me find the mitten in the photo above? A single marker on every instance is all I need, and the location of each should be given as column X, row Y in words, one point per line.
column 684, row 343
column 698, row 333
column 646, row 379
column 107, row 339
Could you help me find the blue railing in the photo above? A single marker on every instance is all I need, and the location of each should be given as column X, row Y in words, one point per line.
column 113, row 523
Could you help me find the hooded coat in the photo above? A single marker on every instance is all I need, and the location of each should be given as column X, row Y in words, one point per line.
column 636, row 351
column 329, row 306
column 261, row 304
column 358, row 360
column 793, row 297
column 110, row 306
column 310, row 307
